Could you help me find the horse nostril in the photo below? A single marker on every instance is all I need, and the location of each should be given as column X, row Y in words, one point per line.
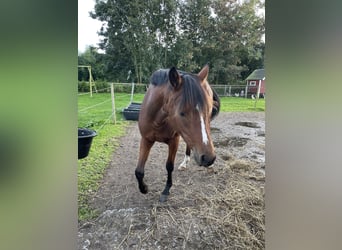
column 207, row 161
column 202, row 160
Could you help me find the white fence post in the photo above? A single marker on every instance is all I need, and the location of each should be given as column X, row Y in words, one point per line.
column 258, row 94
column 113, row 102
column 132, row 92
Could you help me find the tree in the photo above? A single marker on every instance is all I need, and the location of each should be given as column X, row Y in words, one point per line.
column 164, row 27
column 195, row 23
column 142, row 36
column 252, row 59
column 237, row 28
column 94, row 59
column 137, row 35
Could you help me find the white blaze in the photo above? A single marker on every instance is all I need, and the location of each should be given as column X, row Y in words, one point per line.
column 204, row 132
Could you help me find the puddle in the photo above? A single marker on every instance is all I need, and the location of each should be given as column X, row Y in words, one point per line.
column 215, row 130
column 261, row 133
column 248, row 124
column 232, row 142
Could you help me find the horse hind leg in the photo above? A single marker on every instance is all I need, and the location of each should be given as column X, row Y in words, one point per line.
column 186, row 160
column 145, row 147
column 173, row 146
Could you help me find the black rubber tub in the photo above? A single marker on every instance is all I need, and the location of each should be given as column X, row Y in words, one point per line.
column 132, row 111
column 85, row 138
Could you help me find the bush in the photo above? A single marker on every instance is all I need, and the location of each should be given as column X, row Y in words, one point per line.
column 101, row 86
column 83, row 86
column 127, row 88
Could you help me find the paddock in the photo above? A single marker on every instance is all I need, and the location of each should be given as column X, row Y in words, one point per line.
column 217, row 208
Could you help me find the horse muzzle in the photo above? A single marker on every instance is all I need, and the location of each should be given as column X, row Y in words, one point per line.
column 204, row 160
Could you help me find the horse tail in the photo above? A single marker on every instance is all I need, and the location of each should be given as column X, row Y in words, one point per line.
column 216, row 104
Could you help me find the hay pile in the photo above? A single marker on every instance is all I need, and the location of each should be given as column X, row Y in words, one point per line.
column 225, row 211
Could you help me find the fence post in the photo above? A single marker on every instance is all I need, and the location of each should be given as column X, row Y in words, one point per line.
column 132, row 92
column 113, row 102
column 258, row 94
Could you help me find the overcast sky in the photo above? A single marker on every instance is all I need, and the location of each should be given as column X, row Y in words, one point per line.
column 87, row 27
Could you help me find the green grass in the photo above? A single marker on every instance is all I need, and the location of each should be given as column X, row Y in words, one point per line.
column 91, row 168
column 239, row 104
column 98, row 118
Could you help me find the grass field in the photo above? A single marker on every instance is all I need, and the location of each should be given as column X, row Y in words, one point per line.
column 239, row 104
column 97, row 116
column 95, row 113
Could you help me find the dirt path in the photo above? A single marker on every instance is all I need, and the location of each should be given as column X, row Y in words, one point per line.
column 131, row 220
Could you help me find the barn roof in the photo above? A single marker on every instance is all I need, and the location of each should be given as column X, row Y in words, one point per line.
column 258, row 74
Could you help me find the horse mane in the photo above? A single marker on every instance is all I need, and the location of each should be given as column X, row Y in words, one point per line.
column 216, row 104
column 193, row 93
column 160, row 77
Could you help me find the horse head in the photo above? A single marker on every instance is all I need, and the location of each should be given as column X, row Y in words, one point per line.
column 191, row 106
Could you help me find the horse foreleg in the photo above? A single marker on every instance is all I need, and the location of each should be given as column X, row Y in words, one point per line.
column 173, row 146
column 145, row 147
column 186, row 160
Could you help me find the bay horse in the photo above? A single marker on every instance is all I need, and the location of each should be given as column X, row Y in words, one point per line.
column 177, row 104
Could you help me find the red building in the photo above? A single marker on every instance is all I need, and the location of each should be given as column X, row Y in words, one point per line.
column 256, row 83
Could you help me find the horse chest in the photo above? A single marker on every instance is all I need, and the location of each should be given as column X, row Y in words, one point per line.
column 163, row 132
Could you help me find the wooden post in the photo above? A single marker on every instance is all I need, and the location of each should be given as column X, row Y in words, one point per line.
column 230, row 91
column 90, row 81
column 132, row 92
column 259, row 86
column 113, row 102
column 257, row 96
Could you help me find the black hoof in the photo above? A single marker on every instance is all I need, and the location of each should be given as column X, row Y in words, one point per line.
column 163, row 198
column 143, row 189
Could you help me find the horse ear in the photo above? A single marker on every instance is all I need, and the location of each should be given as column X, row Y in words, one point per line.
column 174, row 77
column 203, row 74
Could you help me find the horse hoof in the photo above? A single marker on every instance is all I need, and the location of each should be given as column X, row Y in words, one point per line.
column 143, row 189
column 182, row 168
column 163, row 198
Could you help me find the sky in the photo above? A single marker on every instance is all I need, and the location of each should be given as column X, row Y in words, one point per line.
column 87, row 27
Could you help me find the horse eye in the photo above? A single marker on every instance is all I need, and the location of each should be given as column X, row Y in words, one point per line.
column 182, row 114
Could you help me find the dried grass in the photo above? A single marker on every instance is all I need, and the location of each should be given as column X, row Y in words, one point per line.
column 225, row 213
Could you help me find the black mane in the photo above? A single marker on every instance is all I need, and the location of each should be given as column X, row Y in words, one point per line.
column 216, row 104
column 160, row 77
column 193, row 94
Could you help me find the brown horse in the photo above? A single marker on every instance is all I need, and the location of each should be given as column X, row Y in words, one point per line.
column 177, row 104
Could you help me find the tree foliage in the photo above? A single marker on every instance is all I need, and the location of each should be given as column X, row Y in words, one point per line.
column 94, row 59
column 142, row 36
